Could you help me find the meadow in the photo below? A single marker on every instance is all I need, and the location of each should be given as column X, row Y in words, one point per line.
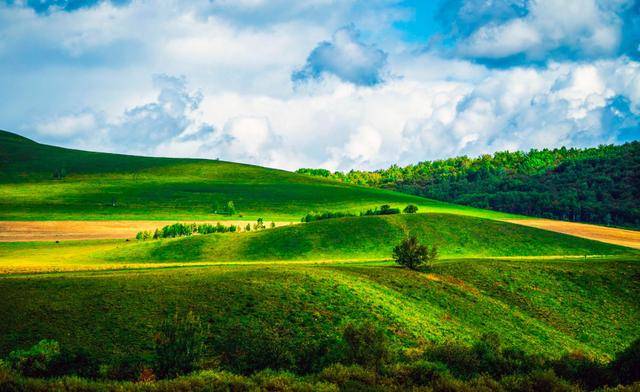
column 277, row 302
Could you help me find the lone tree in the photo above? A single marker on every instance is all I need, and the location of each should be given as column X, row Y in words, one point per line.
column 411, row 254
column 410, row 209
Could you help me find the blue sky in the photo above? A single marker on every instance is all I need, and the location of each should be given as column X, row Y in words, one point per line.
column 339, row 84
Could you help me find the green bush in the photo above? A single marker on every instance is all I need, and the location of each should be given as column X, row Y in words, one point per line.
column 180, row 345
column 626, row 364
column 410, row 209
column 36, row 361
column 366, row 345
column 312, row 217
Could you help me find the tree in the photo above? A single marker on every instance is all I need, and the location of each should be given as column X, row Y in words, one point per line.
column 411, row 254
column 259, row 224
column 180, row 344
column 273, row 225
column 231, row 208
column 410, row 209
column 248, row 227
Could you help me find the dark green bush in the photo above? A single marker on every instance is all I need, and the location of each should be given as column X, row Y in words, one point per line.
column 366, row 345
column 410, row 209
column 626, row 365
column 38, row 360
column 180, row 344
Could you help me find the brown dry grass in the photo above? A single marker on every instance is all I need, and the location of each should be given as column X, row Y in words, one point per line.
column 629, row 238
column 12, row 231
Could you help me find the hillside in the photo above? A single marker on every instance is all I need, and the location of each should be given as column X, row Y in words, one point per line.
column 265, row 315
column 41, row 182
column 345, row 239
column 597, row 185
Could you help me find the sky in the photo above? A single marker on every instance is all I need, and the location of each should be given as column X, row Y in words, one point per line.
column 338, row 84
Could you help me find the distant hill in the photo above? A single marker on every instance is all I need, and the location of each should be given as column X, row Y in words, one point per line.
column 596, row 185
column 41, row 182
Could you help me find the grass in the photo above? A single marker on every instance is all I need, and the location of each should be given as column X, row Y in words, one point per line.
column 172, row 189
column 357, row 238
column 551, row 307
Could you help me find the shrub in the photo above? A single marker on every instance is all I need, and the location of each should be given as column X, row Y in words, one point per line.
column 259, row 225
column 366, row 345
column 36, row 361
column 626, row 364
column 411, row 254
column 410, row 209
column 179, row 344
column 312, row 217
column 384, row 209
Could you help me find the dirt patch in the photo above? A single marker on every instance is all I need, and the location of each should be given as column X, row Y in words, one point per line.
column 629, row 238
column 11, row 231
column 452, row 281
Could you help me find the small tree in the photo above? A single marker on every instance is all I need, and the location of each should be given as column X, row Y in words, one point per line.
column 259, row 224
column 410, row 209
column 273, row 225
column 180, row 344
column 231, row 208
column 248, row 227
column 411, row 254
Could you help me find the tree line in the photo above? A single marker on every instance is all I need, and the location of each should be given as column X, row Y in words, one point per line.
column 187, row 229
column 596, row 185
column 384, row 209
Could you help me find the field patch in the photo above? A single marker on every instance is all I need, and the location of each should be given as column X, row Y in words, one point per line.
column 610, row 235
column 13, row 231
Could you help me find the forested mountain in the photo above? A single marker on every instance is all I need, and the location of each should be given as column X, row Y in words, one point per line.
column 597, row 185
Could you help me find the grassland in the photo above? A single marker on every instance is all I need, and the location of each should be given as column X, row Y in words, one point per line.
column 551, row 307
column 281, row 297
column 100, row 186
column 345, row 239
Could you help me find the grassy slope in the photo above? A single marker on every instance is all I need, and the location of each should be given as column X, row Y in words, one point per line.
column 549, row 307
column 164, row 188
column 360, row 238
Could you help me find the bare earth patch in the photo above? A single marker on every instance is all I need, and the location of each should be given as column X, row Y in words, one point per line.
column 13, row 231
column 629, row 238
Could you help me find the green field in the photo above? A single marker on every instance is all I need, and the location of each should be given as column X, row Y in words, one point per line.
column 280, row 298
column 166, row 189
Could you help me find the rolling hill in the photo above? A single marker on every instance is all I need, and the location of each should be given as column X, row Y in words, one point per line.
column 281, row 298
column 41, row 182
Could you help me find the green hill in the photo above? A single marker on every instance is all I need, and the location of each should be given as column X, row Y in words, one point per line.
column 264, row 315
column 41, row 182
column 362, row 238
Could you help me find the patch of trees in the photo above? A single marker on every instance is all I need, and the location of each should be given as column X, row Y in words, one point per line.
column 361, row 358
column 182, row 230
column 385, row 209
column 227, row 209
column 596, row 185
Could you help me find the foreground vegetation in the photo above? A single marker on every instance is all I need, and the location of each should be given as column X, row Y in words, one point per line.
column 439, row 326
column 597, row 185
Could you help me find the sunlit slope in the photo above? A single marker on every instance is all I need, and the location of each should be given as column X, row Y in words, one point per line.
column 110, row 186
column 262, row 314
column 367, row 238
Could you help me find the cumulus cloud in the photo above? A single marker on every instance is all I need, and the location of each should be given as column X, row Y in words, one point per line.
column 504, row 32
column 346, row 57
column 83, row 78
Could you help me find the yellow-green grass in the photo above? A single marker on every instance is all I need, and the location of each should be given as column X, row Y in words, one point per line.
column 345, row 239
column 280, row 313
column 101, row 186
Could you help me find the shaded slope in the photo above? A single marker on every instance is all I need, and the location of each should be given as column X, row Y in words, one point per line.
column 40, row 182
column 262, row 314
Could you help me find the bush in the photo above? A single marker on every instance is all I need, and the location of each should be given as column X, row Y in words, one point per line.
column 411, row 254
column 410, row 209
column 180, row 345
column 36, row 361
column 366, row 345
column 626, row 365
column 384, row 209
column 312, row 217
